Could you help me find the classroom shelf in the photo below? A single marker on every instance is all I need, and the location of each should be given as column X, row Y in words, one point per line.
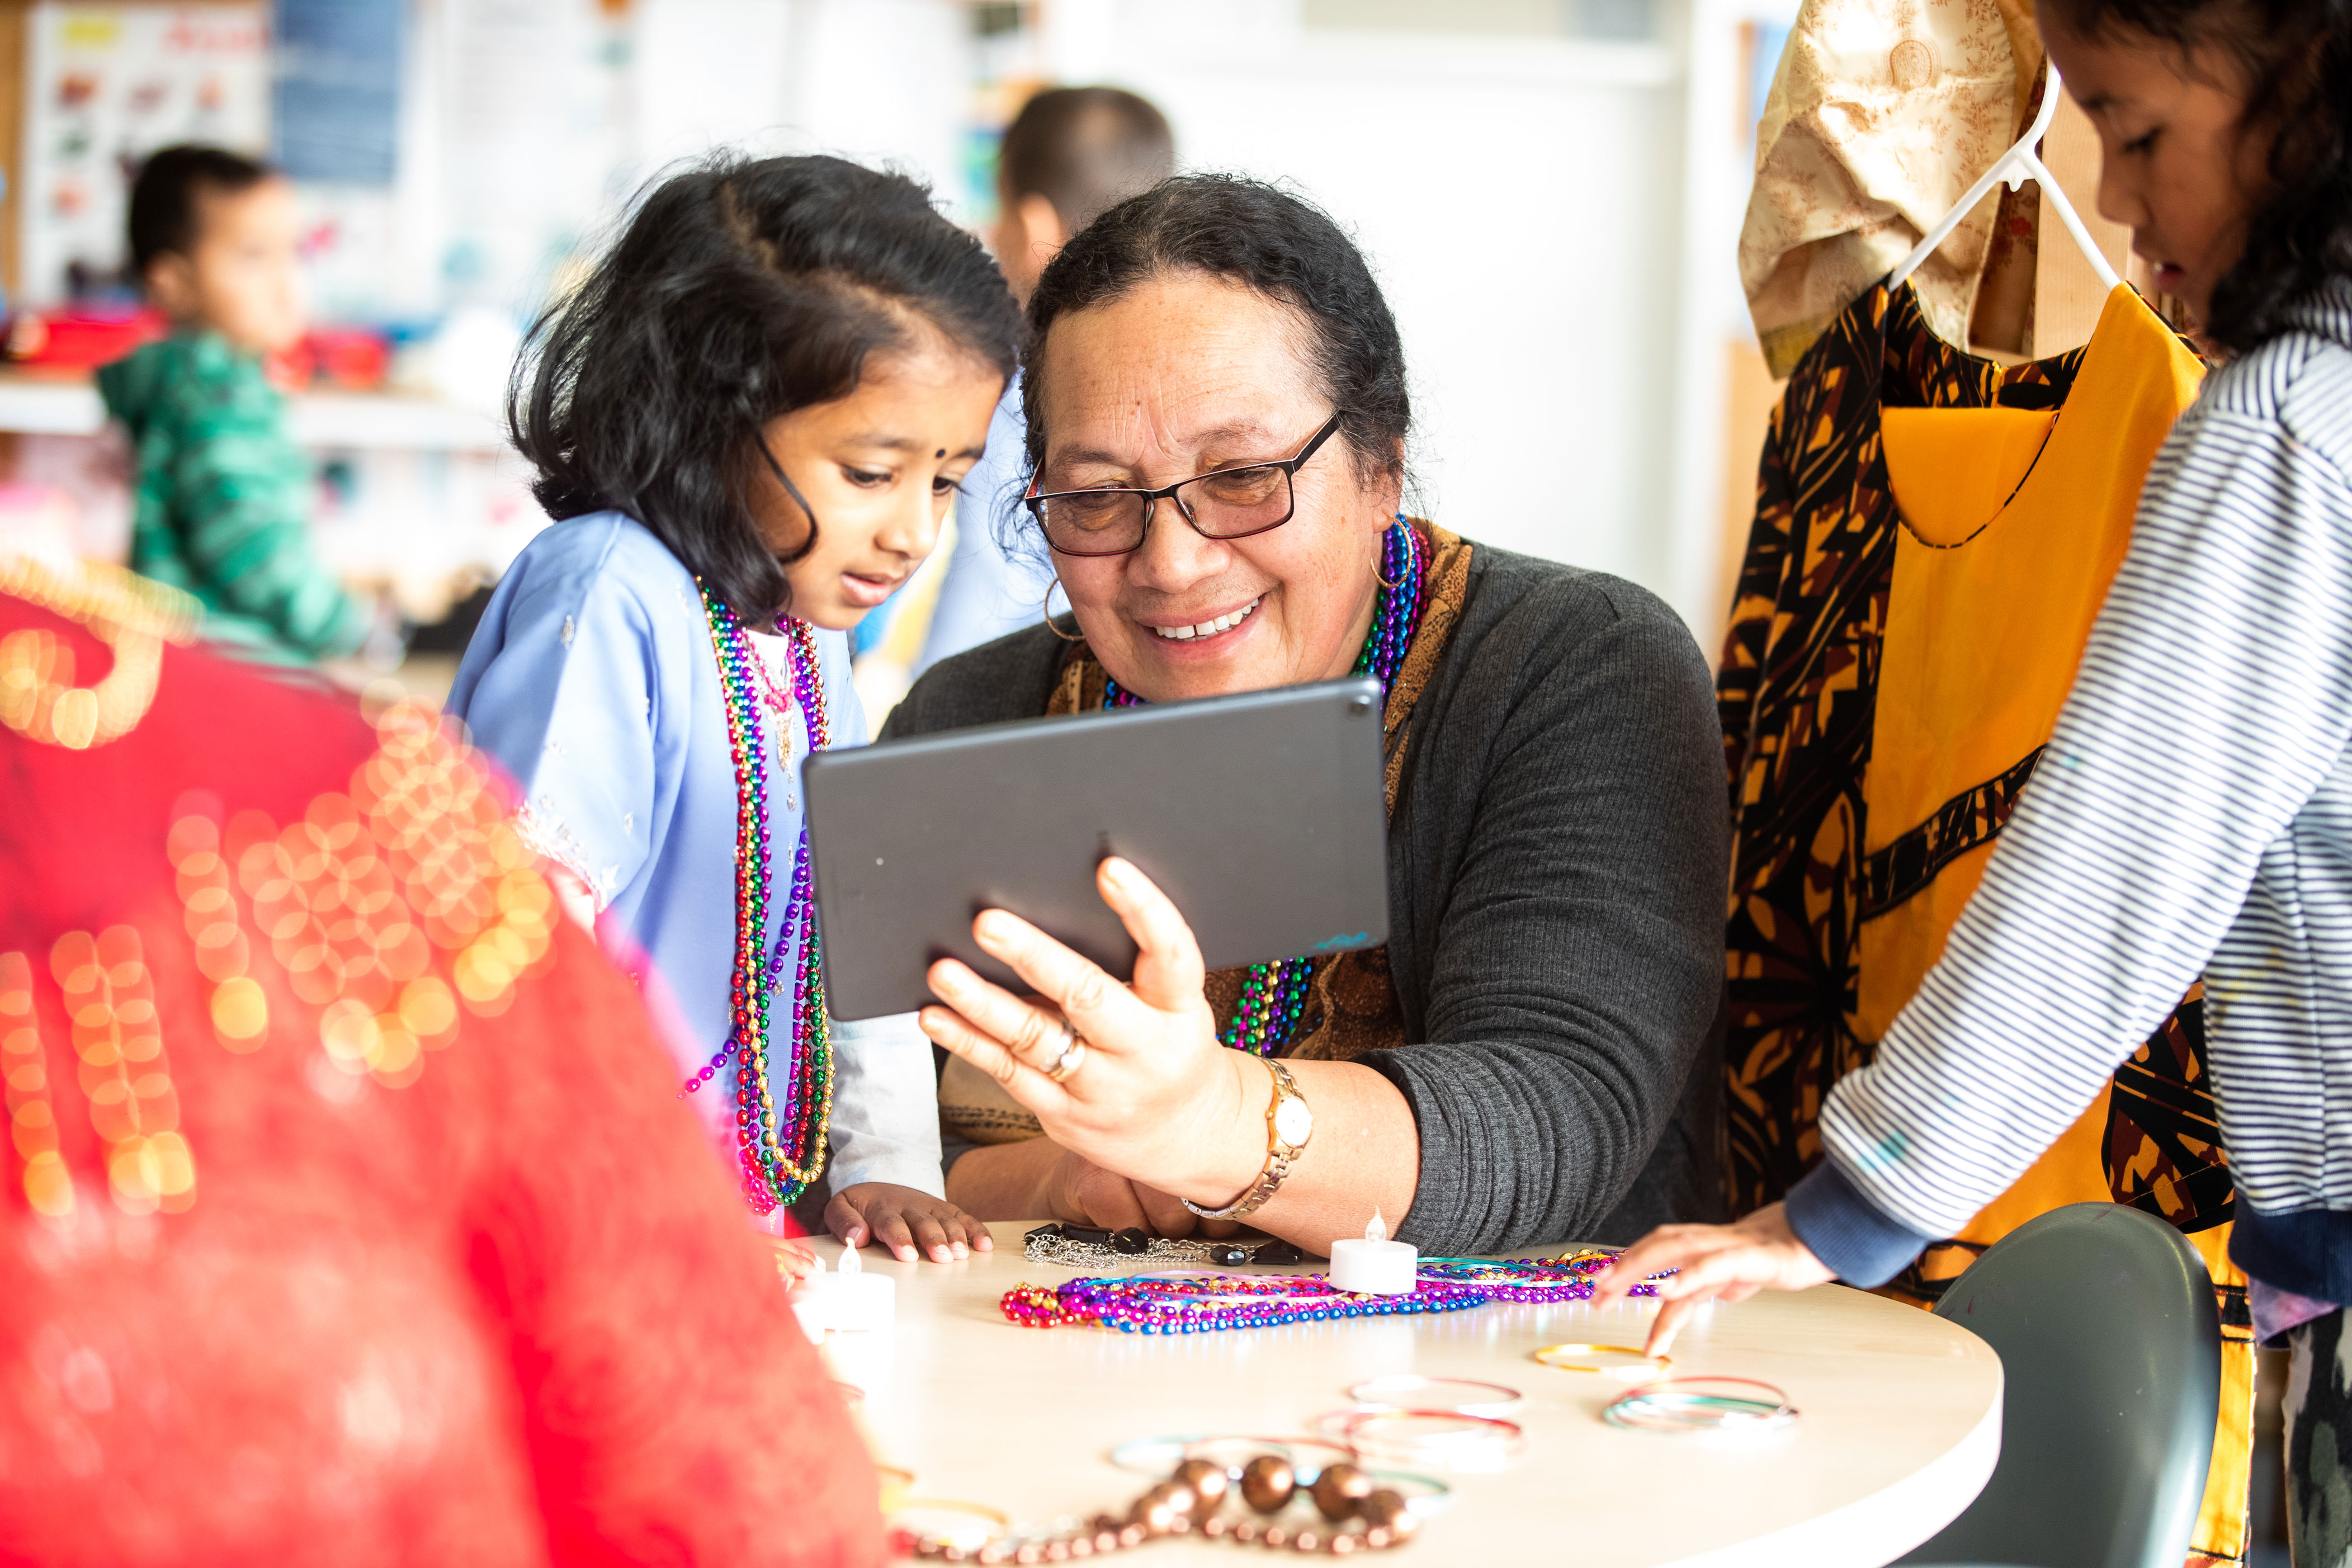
column 57, row 405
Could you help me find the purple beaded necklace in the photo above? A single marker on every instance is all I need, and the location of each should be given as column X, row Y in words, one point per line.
column 1203, row 1303
column 780, row 1119
column 1274, row 995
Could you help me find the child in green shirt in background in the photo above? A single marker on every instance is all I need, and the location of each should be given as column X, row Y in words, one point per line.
column 224, row 497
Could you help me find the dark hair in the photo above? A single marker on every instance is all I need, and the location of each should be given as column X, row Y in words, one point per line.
column 739, row 292
column 2295, row 57
column 163, row 197
column 1270, row 242
column 1084, row 148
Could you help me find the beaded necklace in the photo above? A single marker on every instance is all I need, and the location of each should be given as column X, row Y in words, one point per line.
column 1206, row 1304
column 1568, row 1277
column 1274, row 995
column 780, row 1123
column 1200, row 1303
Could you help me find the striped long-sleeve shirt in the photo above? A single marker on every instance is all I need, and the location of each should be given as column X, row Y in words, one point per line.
column 2192, row 815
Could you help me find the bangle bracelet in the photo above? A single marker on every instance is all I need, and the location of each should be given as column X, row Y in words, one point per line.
column 1426, row 1495
column 1306, row 1456
column 1704, row 1405
column 1565, row 1358
column 1154, row 1455
column 1444, row 1437
column 1151, row 1456
column 1411, row 1391
column 966, row 1526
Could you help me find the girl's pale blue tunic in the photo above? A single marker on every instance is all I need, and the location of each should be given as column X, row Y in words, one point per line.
column 593, row 682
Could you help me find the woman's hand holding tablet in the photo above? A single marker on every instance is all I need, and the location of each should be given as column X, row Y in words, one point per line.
column 1155, row 1093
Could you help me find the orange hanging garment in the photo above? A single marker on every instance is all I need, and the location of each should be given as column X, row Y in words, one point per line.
column 2014, row 522
column 1935, row 536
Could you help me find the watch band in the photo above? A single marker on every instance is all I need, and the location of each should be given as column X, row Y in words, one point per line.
column 1279, row 1152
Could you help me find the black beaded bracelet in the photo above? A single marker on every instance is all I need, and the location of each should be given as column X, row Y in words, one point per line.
column 1084, row 1246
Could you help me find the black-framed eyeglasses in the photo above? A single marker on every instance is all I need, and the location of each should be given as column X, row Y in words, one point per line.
column 1225, row 503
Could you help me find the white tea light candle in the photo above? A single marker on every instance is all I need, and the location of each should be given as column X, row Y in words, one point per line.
column 848, row 1300
column 1374, row 1265
column 808, row 1305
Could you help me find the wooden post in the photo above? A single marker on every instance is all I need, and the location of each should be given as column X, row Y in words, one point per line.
column 15, row 60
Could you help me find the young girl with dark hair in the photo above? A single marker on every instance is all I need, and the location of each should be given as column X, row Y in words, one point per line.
column 2192, row 815
column 749, row 423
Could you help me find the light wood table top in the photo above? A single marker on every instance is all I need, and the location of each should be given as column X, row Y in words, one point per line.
column 1900, row 1423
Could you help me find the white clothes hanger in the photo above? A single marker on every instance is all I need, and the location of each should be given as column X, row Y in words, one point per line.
column 2015, row 167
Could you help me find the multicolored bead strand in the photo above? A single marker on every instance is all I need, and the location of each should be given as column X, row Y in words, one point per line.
column 1274, row 996
column 1211, row 1304
column 1204, row 1304
column 1568, row 1277
column 779, row 1119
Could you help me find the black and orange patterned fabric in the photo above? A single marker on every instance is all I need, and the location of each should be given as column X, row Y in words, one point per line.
column 1908, row 616
column 1797, row 691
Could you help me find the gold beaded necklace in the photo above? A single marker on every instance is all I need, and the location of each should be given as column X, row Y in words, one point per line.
column 133, row 617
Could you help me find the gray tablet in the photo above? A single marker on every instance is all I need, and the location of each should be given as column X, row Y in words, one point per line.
column 1260, row 816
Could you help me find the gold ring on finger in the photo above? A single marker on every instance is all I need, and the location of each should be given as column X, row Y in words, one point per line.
column 1070, row 1056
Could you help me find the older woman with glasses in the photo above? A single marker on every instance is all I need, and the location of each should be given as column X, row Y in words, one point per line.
column 1217, row 421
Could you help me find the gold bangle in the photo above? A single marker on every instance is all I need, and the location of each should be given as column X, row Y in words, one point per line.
column 894, row 1484
column 1562, row 1358
column 987, row 1524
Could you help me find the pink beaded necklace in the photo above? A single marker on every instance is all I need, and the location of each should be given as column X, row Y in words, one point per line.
column 1194, row 1301
column 780, row 1118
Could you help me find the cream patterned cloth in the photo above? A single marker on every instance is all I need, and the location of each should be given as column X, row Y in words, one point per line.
column 1881, row 115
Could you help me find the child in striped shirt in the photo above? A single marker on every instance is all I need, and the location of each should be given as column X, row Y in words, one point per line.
column 2193, row 816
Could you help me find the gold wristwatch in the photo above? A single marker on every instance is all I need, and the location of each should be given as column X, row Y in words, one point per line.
column 1289, row 1124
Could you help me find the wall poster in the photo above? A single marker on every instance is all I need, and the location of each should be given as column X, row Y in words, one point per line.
column 337, row 91
column 106, row 85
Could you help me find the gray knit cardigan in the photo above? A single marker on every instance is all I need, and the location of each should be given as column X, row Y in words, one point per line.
column 1557, row 865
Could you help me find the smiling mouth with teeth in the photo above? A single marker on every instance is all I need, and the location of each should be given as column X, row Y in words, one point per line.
column 1209, row 629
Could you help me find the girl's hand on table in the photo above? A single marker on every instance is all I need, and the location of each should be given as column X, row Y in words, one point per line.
column 911, row 1224
column 794, row 1262
column 1155, row 1099
column 1730, row 1262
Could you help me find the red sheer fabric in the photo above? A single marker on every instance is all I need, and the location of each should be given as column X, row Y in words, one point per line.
column 348, row 1212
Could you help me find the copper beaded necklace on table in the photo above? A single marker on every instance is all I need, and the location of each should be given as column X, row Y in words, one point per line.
column 779, row 1119
column 1360, row 1514
column 1274, row 996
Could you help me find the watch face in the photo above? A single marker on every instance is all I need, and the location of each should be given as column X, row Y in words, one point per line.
column 1293, row 1121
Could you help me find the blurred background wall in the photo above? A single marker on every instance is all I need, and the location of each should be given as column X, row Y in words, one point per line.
column 1551, row 191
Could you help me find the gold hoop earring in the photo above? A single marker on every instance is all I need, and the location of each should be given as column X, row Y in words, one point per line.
column 1376, row 566
column 1048, row 609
